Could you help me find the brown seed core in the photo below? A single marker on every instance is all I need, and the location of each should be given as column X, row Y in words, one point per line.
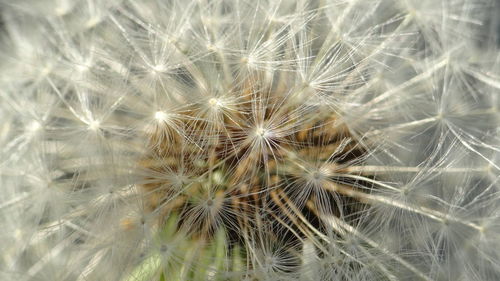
column 249, row 163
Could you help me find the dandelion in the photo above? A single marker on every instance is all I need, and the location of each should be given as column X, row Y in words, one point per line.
column 249, row 140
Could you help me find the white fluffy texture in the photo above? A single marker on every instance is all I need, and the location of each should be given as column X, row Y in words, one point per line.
column 82, row 83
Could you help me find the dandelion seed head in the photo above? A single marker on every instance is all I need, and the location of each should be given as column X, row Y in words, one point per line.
column 249, row 140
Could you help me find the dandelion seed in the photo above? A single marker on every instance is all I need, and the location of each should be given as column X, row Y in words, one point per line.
column 262, row 133
column 161, row 116
column 94, row 125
